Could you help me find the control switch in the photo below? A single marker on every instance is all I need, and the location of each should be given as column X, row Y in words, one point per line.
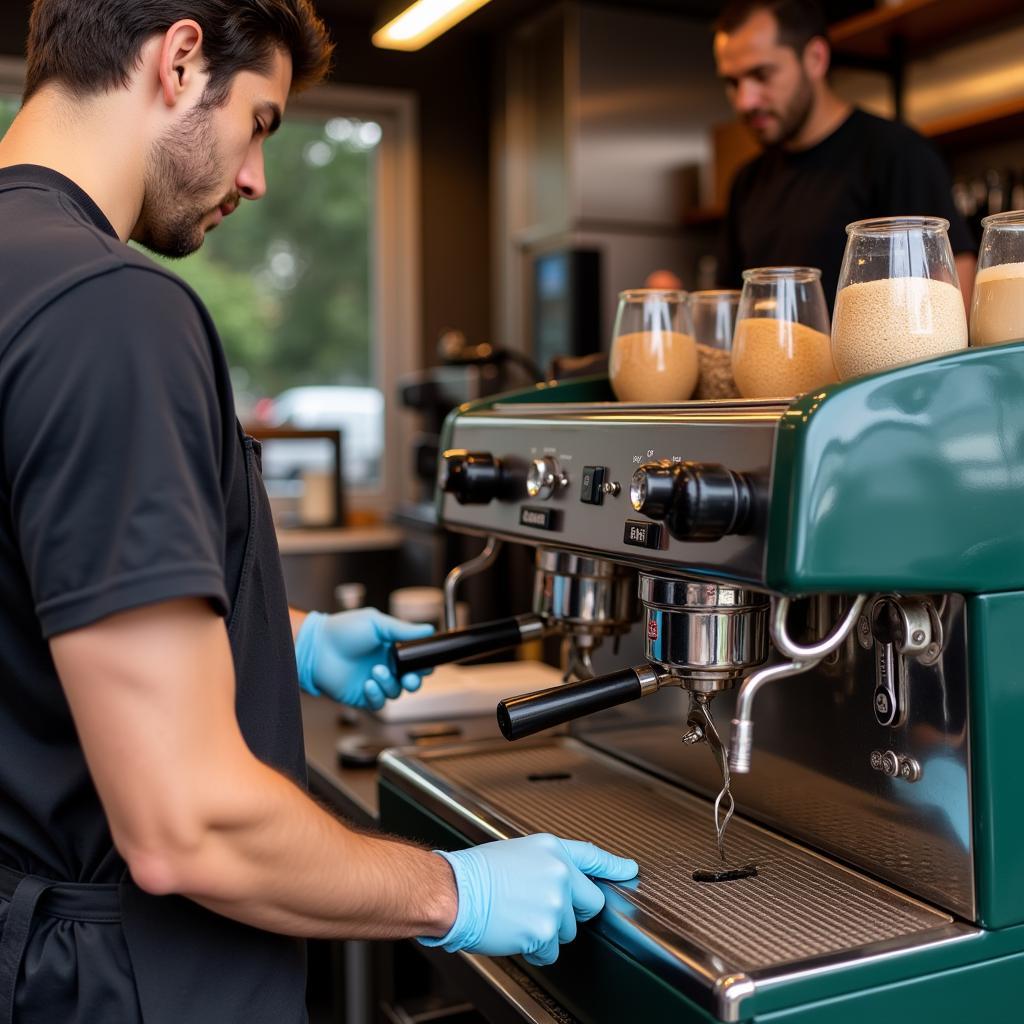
column 592, row 485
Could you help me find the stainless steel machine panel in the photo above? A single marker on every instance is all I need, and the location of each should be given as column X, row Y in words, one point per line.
column 615, row 439
column 802, row 911
column 815, row 768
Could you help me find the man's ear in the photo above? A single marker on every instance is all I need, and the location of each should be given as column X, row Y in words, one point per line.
column 817, row 58
column 181, row 61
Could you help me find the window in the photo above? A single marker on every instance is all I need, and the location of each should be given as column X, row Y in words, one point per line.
column 315, row 290
column 304, row 288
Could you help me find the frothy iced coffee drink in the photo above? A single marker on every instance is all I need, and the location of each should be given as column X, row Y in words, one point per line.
column 880, row 324
column 997, row 310
column 653, row 366
column 779, row 358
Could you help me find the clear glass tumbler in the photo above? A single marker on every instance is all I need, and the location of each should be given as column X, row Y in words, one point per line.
column 997, row 307
column 714, row 317
column 714, row 322
column 781, row 345
column 653, row 356
column 899, row 299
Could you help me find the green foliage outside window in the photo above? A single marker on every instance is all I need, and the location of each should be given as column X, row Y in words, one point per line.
column 287, row 279
column 8, row 108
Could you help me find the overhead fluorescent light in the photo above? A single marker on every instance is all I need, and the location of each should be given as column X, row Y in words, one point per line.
column 422, row 22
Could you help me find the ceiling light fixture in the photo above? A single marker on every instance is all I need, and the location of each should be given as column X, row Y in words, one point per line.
column 422, row 22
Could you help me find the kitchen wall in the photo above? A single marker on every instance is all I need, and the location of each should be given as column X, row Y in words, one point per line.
column 960, row 78
column 602, row 118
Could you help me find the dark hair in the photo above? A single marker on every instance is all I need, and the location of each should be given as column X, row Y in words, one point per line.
column 91, row 47
column 799, row 21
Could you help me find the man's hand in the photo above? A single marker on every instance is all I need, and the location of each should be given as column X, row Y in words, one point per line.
column 526, row 895
column 345, row 656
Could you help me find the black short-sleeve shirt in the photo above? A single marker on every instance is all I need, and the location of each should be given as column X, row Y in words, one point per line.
column 125, row 480
column 791, row 208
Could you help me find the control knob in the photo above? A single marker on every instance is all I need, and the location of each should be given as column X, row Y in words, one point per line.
column 474, row 478
column 543, row 477
column 696, row 500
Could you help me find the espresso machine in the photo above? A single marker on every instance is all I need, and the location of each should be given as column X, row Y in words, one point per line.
column 809, row 737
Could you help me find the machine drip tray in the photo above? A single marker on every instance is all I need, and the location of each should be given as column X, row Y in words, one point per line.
column 719, row 942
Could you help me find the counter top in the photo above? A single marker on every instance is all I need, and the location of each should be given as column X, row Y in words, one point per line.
column 349, row 789
column 356, row 538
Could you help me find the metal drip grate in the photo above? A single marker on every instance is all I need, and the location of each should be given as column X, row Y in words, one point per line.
column 799, row 906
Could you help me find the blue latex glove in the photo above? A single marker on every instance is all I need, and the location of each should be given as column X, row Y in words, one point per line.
column 345, row 656
column 526, row 895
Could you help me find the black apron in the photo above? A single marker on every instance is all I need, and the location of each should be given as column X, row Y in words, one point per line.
column 74, row 953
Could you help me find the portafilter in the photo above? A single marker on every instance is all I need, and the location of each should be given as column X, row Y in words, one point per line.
column 582, row 599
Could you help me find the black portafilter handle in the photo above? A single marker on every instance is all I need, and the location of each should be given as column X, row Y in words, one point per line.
column 533, row 712
column 458, row 644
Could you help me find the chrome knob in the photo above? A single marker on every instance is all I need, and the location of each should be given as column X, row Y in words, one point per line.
column 697, row 501
column 543, row 477
column 651, row 490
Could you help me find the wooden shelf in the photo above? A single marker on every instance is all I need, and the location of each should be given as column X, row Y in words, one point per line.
column 702, row 215
column 995, row 122
column 916, row 25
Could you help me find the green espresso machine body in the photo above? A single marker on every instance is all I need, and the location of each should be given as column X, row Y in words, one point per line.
column 829, row 594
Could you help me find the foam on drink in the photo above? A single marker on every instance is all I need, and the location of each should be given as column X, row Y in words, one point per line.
column 774, row 358
column 896, row 320
column 997, row 310
column 653, row 366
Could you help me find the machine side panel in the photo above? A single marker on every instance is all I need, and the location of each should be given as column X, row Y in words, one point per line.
column 997, row 710
column 979, row 992
column 911, row 480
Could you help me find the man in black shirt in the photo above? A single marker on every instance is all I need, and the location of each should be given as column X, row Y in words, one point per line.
column 825, row 163
column 159, row 857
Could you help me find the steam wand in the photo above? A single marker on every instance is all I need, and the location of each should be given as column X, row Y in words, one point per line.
column 802, row 658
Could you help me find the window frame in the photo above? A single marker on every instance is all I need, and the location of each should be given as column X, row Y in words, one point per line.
column 396, row 297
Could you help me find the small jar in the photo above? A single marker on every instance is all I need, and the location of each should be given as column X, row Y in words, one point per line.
column 714, row 322
column 653, row 357
column 899, row 299
column 714, row 317
column 997, row 307
column 781, row 345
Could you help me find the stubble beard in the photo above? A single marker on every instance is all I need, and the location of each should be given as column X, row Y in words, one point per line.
column 796, row 115
column 182, row 179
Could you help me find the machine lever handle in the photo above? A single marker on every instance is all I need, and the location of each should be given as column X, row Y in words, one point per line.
column 532, row 712
column 458, row 644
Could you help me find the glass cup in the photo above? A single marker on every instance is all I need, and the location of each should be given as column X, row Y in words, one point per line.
column 997, row 307
column 714, row 317
column 654, row 356
column 899, row 299
column 714, row 321
column 781, row 345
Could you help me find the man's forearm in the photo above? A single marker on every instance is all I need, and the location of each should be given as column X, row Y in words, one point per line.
column 196, row 813
column 272, row 858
